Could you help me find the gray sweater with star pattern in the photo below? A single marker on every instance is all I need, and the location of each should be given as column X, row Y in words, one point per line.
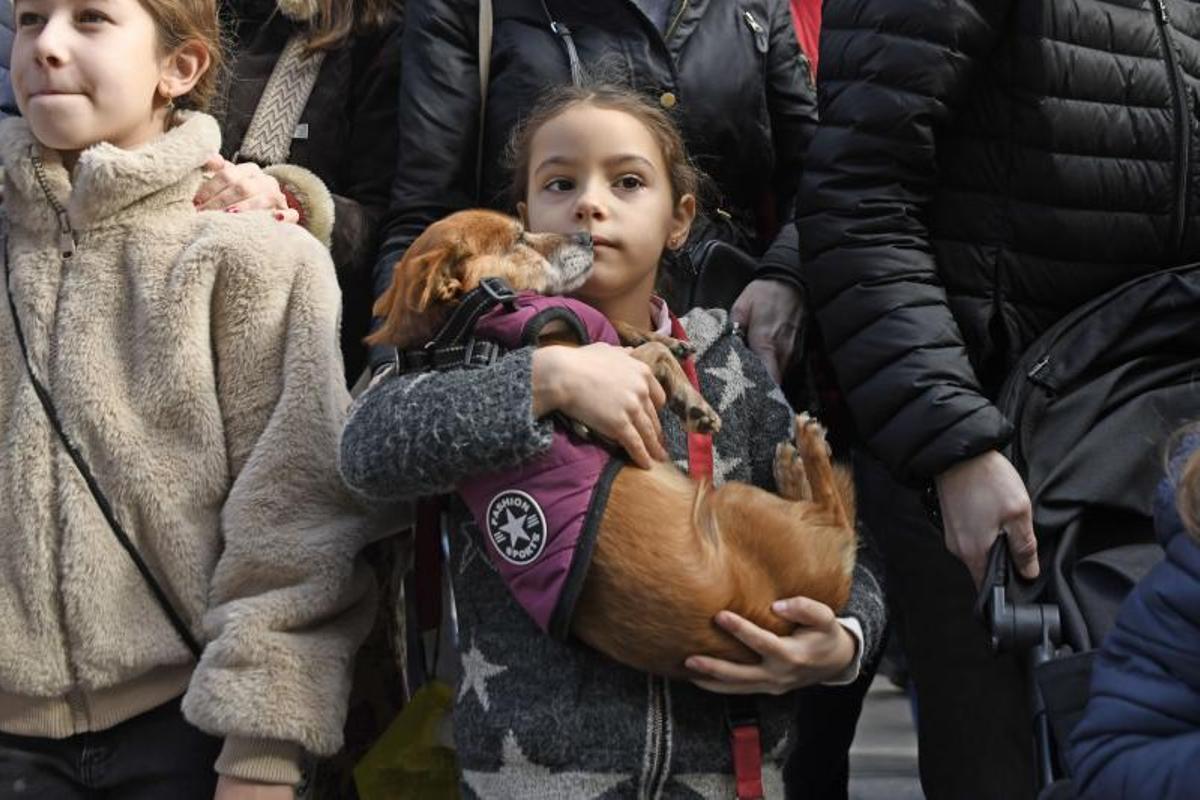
column 537, row 717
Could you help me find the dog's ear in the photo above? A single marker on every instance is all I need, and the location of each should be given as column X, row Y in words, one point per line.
column 421, row 282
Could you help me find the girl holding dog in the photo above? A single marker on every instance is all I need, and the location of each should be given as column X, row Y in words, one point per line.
column 170, row 375
column 535, row 716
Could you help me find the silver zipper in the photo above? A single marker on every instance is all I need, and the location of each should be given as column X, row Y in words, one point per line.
column 761, row 40
column 658, row 741
column 753, row 23
column 675, row 22
column 66, row 234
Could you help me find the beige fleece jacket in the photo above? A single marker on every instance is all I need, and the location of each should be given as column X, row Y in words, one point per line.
column 193, row 358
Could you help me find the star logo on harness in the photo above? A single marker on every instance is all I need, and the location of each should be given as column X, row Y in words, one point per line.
column 516, row 527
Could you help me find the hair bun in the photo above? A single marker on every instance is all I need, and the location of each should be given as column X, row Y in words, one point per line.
column 298, row 10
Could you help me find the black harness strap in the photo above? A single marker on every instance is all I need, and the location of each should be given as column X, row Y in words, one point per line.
column 454, row 347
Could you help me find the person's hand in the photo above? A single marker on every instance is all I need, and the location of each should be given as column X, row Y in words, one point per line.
column 606, row 389
column 242, row 187
column 229, row 788
column 770, row 311
column 820, row 649
column 980, row 497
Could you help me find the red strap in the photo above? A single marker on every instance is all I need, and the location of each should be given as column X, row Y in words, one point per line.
column 746, row 742
column 747, row 762
column 427, row 564
column 700, row 448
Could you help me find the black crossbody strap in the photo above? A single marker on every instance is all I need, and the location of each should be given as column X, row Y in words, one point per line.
column 106, row 509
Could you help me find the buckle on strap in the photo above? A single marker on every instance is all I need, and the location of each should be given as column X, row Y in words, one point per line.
column 473, row 353
column 498, row 290
column 745, row 739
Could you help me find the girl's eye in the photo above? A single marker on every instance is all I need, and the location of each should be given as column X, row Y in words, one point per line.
column 28, row 18
column 560, row 184
column 90, row 16
column 630, row 182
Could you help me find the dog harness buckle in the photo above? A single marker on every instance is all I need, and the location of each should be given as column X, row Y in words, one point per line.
column 498, row 290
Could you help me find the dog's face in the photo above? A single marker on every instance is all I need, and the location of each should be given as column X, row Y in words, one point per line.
column 454, row 254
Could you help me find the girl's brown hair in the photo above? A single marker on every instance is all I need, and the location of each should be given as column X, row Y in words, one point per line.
column 1187, row 496
column 684, row 176
column 181, row 21
column 336, row 20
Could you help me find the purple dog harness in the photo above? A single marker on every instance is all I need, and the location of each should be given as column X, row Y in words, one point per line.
column 540, row 520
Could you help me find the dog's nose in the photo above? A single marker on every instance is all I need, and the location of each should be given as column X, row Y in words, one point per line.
column 582, row 238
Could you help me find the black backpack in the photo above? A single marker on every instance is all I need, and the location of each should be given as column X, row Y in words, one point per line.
column 1095, row 402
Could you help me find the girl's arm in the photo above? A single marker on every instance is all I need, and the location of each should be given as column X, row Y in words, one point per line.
column 866, row 604
column 415, row 435
column 823, row 649
column 290, row 600
column 421, row 434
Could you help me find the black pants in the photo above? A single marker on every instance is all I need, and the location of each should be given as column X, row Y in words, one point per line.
column 152, row 756
column 974, row 731
column 819, row 765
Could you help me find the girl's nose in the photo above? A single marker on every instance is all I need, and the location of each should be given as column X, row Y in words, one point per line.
column 589, row 206
column 49, row 47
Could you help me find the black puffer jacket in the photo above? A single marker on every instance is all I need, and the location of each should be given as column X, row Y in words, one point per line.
column 350, row 143
column 982, row 168
column 733, row 71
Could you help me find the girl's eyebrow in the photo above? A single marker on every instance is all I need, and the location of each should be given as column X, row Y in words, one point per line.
column 611, row 161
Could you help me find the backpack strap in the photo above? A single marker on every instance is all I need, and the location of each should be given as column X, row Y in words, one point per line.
column 268, row 140
column 106, row 509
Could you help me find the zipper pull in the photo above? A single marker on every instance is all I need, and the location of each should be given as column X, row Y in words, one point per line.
column 1038, row 368
column 66, row 236
column 760, row 34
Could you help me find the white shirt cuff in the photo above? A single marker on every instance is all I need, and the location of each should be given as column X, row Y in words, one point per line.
column 850, row 673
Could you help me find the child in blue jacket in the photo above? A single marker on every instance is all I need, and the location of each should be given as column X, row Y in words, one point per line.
column 1140, row 734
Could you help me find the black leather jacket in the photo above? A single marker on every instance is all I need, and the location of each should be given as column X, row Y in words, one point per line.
column 982, row 168
column 731, row 71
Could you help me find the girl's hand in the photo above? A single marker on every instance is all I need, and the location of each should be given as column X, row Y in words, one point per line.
column 820, row 649
column 241, row 187
column 770, row 312
column 979, row 497
column 229, row 788
column 607, row 390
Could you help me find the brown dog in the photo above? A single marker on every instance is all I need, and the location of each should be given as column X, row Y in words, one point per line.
column 671, row 552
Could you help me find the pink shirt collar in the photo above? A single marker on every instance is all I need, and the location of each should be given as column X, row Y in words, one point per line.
column 660, row 316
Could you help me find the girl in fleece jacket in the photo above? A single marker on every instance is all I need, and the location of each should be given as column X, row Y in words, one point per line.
column 539, row 717
column 192, row 359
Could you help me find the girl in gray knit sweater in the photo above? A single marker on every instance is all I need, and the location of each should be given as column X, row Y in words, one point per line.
column 537, row 717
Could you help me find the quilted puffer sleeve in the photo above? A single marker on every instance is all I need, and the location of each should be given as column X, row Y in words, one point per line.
column 892, row 72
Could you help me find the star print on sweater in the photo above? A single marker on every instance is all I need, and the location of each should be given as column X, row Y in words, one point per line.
column 476, row 670
column 734, row 377
column 518, row 777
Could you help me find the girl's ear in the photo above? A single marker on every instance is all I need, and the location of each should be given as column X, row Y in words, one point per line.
column 681, row 220
column 183, row 68
column 523, row 213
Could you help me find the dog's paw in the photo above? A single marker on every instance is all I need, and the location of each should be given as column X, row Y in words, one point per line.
column 811, row 436
column 678, row 348
column 700, row 418
column 791, row 479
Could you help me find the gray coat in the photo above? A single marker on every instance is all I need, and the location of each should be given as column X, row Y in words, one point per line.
column 536, row 717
